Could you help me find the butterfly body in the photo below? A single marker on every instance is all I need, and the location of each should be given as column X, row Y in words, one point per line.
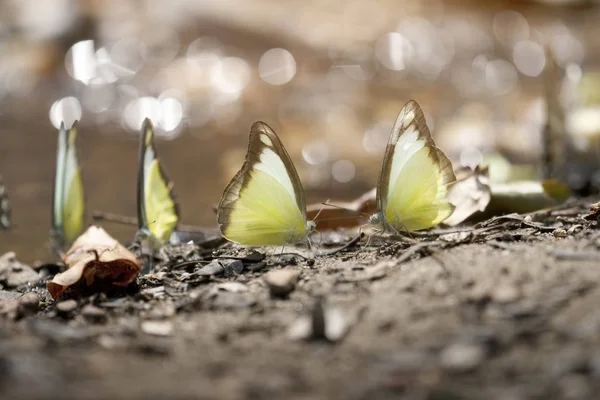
column 412, row 191
column 264, row 203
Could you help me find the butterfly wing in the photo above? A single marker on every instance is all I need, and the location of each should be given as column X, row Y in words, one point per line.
column 157, row 209
column 5, row 221
column 264, row 203
column 68, row 202
column 412, row 192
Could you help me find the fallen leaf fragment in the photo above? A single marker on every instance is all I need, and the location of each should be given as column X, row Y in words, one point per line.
column 476, row 199
column 470, row 194
column 343, row 214
column 95, row 256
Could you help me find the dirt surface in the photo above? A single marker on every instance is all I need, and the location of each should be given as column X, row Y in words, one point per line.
column 507, row 309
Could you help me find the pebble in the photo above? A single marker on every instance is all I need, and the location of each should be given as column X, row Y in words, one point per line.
column 281, row 282
column 93, row 313
column 559, row 233
column 506, row 293
column 29, row 304
column 461, row 357
column 66, row 306
column 15, row 273
column 157, row 328
column 235, row 267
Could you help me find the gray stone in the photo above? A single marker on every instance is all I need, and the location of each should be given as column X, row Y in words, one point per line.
column 66, row 306
column 462, row 357
column 281, row 282
column 93, row 314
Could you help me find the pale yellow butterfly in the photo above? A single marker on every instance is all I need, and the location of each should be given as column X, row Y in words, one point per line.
column 67, row 199
column 264, row 202
column 158, row 213
column 412, row 192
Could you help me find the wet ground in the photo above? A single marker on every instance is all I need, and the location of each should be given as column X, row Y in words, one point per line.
column 507, row 309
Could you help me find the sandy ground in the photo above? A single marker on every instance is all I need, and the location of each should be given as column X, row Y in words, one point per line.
column 507, row 309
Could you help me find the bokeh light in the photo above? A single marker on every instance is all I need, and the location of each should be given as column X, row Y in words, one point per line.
column 67, row 110
column 529, row 57
column 343, row 171
column 277, row 66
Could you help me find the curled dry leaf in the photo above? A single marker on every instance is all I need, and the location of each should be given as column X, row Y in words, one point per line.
column 476, row 199
column 95, row 257
column 470, row 194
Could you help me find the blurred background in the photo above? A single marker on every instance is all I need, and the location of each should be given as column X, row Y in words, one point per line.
column 328, row 76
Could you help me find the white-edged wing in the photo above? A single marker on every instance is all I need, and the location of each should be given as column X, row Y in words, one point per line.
column 412, row 192
column 67, row 200
column 264, row 203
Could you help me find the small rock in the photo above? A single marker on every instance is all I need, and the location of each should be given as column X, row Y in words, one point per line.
column 215, row 267
column 233, row 287
column 259, row 266
column 461, row 357
column 66, row 307
column 29, row 304
column 281, row 282
column 15, row 273
column 157, row 328
column 231, row 300
column 93, row 313
column 559, row 233
column 287, row 259
column 506, row 293
column 235, row 267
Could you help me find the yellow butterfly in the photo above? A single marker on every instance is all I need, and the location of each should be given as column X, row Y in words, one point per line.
column 264, row 202
column 5, row 221
column 412, row 192
column 157, row 210
column 68, row 203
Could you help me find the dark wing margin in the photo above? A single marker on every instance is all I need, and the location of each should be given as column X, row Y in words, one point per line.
column 240, row 180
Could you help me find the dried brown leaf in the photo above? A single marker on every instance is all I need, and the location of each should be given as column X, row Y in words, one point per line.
column 343, row 214
column 95, row 256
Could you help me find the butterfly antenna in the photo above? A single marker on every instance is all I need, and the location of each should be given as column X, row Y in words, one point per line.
column 111, row 217
column 344, row 208
column 320, row 210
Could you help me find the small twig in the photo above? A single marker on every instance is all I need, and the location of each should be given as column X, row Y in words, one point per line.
column 186, row 263
column 126, row 220
column 506, row 246
column 351, row 243
column 416, row 248
column 111, row 217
